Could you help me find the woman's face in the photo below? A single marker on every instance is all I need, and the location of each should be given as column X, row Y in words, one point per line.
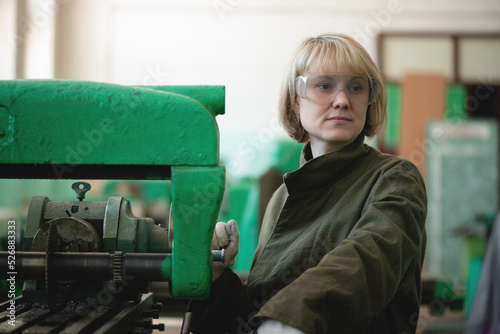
column 340, row 116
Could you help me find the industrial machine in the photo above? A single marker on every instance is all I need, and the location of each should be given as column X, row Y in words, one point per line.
column 87, row 265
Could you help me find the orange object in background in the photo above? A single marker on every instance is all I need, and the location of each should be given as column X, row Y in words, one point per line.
column 424, row 98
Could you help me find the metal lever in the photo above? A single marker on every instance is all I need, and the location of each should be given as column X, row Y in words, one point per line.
column 186, row 323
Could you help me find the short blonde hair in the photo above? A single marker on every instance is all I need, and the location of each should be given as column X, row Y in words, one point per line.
column 346, row 55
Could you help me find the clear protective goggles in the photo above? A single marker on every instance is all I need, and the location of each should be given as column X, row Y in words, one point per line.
column 324, row 88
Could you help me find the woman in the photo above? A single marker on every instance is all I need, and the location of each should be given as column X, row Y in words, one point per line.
column 343, row 239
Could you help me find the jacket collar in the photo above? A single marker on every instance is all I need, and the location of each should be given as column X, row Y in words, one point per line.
column 325, row 169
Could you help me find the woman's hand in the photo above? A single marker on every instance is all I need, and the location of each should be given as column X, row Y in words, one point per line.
column 227, row 237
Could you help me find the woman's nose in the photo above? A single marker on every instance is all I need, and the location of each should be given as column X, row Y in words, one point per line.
column 340, row 100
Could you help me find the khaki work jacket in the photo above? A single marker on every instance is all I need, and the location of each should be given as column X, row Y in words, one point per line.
column 340, row 250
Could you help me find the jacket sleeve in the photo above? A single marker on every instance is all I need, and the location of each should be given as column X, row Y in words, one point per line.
column 354, row 283
column 226, row 311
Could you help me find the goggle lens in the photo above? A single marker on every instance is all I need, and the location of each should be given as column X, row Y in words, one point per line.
column 324, row 88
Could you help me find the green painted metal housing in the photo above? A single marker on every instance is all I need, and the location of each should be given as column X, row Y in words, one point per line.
column 61, row 129
column 106, row 124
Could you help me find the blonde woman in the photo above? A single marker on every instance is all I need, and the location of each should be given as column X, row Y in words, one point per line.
column 343, row 239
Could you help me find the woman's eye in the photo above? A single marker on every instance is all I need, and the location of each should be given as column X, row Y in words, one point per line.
column 357, row 89
column 324, row 86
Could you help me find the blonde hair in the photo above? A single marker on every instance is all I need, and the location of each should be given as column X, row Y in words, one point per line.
column 344, row 54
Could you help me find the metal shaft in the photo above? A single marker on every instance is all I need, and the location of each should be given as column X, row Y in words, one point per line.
column 86, row 266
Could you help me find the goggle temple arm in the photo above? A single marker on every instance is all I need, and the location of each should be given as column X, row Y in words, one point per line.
column 300, row 86
column 373, row 92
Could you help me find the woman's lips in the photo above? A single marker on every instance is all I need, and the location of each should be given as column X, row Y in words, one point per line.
column 338, row 119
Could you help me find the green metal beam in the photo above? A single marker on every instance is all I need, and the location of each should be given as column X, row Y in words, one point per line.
column 106, row 124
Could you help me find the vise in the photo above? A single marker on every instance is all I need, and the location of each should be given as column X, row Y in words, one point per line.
column 87, row 265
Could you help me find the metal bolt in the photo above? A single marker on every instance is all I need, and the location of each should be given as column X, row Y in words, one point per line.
column 157, row 306
column 159, row 327
column 155, row 314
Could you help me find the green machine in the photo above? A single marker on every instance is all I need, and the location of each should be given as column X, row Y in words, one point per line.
column 87, row 265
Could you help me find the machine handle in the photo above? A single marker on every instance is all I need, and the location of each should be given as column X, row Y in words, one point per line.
column 80, row 188
column 219, row 255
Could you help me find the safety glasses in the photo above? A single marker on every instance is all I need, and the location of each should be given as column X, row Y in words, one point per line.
column 324, row 88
